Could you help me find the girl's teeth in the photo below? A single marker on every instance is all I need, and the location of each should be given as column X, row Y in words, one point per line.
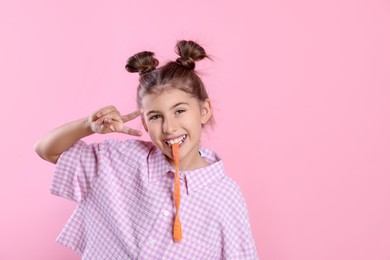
column 177, row 140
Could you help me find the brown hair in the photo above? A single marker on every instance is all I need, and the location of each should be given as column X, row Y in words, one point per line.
column 179, row 74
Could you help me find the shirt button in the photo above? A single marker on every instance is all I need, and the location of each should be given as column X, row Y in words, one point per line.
column 165, row 212
column 152, row 242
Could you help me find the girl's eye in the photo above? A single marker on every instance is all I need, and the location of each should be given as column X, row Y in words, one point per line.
column 155, row 117
column 180, row 111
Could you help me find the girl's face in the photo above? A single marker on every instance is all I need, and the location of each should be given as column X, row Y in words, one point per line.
column 174, row 116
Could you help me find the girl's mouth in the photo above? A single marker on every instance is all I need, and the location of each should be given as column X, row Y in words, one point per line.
column 178, row 140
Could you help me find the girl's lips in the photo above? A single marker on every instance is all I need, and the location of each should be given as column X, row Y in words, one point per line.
column 179, row 139
column 169, row 147
column 173, row 138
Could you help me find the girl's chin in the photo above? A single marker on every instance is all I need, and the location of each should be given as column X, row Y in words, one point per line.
column 167, row 151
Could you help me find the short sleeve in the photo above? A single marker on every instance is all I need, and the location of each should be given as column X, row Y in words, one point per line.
column 237, row 234
column 75, row 171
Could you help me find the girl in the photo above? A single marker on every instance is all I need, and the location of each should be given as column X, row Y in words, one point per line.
column 134, row 202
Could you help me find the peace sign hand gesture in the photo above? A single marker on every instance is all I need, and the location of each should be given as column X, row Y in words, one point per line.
column 109, row 120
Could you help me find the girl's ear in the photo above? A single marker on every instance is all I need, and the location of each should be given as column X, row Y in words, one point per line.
column 206, row 111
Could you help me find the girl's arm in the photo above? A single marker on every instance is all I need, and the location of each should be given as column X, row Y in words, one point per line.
column 105, row 120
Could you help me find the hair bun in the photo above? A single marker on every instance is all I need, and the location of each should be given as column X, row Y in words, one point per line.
column 189, row 52
column 142, row 62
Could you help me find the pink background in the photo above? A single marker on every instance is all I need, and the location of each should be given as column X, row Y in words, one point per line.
column 301, row 98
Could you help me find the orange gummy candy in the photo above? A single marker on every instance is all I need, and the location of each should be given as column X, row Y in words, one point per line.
column 177, row 232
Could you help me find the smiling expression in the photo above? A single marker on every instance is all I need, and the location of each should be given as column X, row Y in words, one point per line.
column 174, row 116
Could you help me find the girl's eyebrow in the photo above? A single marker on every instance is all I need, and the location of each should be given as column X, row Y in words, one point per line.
column 178, row 104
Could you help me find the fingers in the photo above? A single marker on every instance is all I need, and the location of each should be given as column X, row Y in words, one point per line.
column 128, row 117
column 132, row 115
column 102, row 121
column 105, row 111
column 103, row 127
column 130, row 131
column 109, row 123
column 110, row 112
column 110, row 115
column 108, row 119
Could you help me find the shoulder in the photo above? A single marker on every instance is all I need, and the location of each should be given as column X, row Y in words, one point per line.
column 129, row 149
column 126, row 146
column 224, row 187
column 231, row 184
column 227, row 183
column 115, row 145
column 110, row 150
column 227, row 193
column 231, row 191
column 219, row 191
column 231, row 203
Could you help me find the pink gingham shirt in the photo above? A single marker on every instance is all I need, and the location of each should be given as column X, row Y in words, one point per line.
column 126, row 209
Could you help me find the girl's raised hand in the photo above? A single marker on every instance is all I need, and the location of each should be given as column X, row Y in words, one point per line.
column 109, row 120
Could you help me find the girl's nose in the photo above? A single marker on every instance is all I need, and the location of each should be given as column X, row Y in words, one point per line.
column 169, row 125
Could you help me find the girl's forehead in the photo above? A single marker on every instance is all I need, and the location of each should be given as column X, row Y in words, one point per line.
column 166, row 98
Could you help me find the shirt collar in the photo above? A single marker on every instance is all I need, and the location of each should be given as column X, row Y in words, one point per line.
column 158, row 166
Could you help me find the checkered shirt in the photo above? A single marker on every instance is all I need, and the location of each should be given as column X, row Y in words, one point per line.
column 124, row 191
